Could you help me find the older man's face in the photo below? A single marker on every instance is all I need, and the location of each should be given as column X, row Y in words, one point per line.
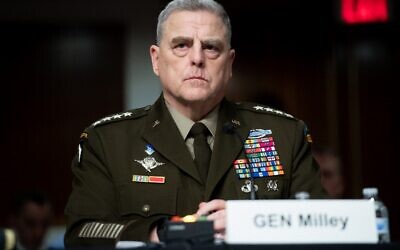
column 194, row 59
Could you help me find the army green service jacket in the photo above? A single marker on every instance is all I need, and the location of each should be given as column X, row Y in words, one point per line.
column 117, row 195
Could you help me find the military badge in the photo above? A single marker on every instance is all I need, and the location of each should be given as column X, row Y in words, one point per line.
column 246, row 188
column 156, row 123
column 149, row 149
column 272, row 185
column 236, row 122
column 149, row 163
column 259, row 133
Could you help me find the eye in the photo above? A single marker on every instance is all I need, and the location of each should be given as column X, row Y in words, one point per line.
column 180, row 49
column 212, row 51
column 211, row 47
column 180, row 46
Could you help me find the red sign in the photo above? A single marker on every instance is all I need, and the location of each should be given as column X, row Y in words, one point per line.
column 364, row 11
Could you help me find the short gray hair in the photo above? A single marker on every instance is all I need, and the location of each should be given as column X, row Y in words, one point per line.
column 194, row 5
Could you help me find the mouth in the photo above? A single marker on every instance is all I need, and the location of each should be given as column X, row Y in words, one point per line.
column 196, row 78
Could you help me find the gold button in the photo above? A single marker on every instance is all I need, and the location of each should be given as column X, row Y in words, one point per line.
column 146, row 208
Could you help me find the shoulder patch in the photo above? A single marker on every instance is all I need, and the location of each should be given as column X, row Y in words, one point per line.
column 131, row 114
column 307, row 134
column 264, row 109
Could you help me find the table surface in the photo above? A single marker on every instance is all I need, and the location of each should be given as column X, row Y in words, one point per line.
column 178, row 246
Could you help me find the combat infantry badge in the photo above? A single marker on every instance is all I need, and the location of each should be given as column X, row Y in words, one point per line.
column 149, row 163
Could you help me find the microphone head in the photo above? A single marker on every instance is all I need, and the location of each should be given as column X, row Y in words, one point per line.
column 229, row 127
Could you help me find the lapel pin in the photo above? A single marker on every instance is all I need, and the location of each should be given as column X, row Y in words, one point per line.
column 236, row 122
column 156, row 122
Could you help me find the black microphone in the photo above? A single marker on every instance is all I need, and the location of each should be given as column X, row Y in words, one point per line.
column 230, row 128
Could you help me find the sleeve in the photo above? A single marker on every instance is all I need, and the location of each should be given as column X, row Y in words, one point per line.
column 92, row 212
column 305, row 172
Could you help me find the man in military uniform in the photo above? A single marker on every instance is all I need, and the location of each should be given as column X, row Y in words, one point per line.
column 190, row 151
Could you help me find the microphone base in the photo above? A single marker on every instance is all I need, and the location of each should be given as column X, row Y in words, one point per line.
column 196, row 233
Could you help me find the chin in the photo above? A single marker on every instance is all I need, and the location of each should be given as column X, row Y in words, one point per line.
column 196, row 95
column 195, row 100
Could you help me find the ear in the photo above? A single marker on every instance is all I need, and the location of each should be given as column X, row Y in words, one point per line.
column 232, row 54
column 154, row 54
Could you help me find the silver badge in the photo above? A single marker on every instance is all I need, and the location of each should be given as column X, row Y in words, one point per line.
column 272, row 185
column 259, row 133
column 149, row 163
column 236, row 122
column 246, row 188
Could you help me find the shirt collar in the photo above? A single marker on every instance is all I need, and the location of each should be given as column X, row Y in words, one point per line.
column 184, row 124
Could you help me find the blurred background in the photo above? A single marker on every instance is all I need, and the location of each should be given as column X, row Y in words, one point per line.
column 333, row 63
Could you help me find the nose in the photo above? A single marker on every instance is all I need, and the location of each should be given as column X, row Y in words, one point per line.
column 197, row 56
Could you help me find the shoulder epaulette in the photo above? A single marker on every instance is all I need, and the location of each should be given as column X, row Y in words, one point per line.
column 264, row 109
column 130, row 114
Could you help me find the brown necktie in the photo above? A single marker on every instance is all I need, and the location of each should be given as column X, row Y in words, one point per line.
column 202, row 151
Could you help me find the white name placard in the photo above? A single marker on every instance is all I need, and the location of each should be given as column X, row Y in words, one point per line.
column 300, row 221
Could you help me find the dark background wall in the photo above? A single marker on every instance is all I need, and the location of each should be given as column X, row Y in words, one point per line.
column 62, row 67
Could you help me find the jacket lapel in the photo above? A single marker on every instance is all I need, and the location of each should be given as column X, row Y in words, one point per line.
column 227, row 147
column 162, row 132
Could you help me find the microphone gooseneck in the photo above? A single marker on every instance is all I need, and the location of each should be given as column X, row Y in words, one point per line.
column 230, row 128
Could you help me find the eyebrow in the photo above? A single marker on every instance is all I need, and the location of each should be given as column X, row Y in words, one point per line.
column 184, row 39
column 181, row 39
column 214, row 42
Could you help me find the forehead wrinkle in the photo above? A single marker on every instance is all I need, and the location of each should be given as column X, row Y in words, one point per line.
column 195, row 22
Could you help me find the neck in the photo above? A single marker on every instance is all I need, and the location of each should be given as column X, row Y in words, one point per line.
column 195, row 111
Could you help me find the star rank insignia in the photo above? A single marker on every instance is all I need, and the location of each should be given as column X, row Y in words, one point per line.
column 122, row 116
column 271, row 110
column 112, row 117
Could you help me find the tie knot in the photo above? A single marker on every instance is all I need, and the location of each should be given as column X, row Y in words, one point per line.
column 199, row 129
